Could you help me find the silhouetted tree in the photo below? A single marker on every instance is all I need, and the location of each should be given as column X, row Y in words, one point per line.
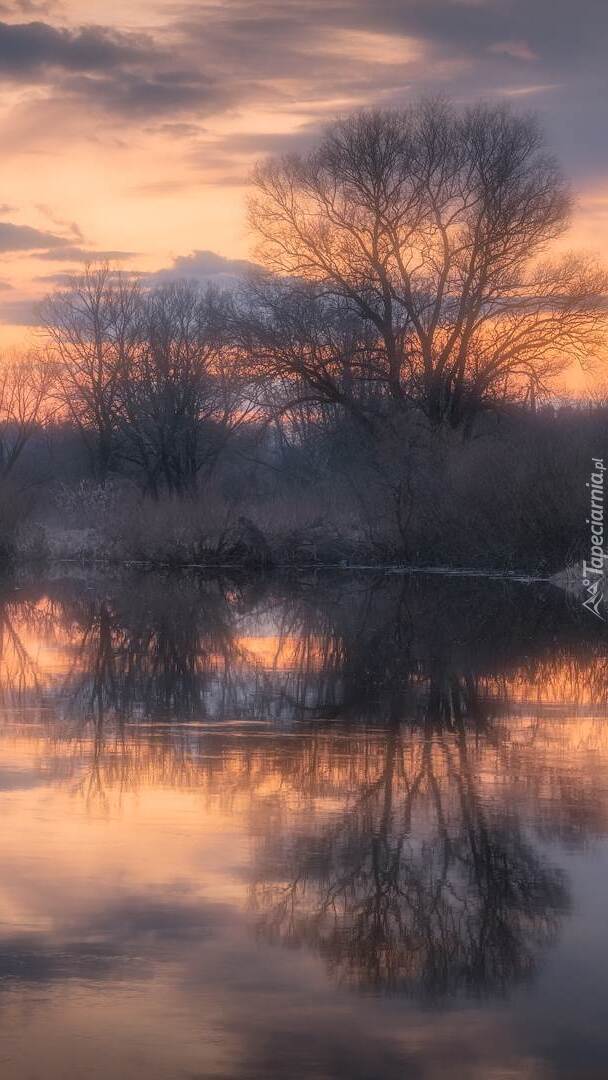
column 179, row 394
column 24, row 400
column 429, row 224
column 93, row 330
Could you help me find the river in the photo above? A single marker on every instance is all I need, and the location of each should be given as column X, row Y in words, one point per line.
column 349, row 827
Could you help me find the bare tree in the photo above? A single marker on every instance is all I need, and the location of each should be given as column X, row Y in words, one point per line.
column 24, row 393
column 24, row 386
column 431, row 225
column 93, row 333
column 308, row 351
column 179, row 397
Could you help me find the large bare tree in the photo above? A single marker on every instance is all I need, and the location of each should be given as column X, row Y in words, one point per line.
column 436, row 226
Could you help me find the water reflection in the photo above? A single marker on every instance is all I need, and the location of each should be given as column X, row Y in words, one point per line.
column 417, row 885
column 388, row 777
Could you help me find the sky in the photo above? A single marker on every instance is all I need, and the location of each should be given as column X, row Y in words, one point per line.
column 128, row 130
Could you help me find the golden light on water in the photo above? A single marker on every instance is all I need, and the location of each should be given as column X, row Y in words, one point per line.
column 206, row 835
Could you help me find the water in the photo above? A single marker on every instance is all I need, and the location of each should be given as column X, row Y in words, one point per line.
column 347, row 827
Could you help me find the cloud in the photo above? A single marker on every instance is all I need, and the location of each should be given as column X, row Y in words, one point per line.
column 70, row 227
column 297, row 54
column 70, row 253
column 524, row 91
column 139, row 95
column 205, row 267
column 228, row 161
column 24, row 238
column 311, row 59
column 333, row 46
column 125, row 74
column 29, row 7
column 19, row 312
column 62, row 279
column 30, row 49
column 178, row 129
column 265, row 142
column 207, row 58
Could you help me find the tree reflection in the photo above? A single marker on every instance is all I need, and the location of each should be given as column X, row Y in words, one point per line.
column 418, row 884
column 396, row 764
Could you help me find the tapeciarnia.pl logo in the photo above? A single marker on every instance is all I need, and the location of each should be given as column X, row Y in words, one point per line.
column 593, row 571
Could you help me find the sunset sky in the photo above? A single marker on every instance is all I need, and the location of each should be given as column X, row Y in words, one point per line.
column 128, row 130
